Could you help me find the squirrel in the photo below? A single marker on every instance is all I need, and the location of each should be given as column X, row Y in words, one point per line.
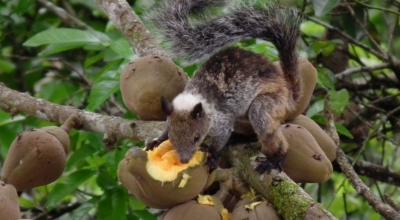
column 233, row 83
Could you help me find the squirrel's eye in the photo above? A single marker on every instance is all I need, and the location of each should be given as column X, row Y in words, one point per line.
column 196, row 138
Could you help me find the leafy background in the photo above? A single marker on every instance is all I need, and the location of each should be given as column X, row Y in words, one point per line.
column 50, row 59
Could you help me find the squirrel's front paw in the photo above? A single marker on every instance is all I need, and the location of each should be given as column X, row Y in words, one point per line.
column 152, row 144
column 267, row 164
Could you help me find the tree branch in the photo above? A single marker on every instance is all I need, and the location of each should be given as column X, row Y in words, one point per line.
column 288, row 198
column 384, row 209
column 65, row 16
column 125, row 19
column 351, row 71
column 113, row 127
column 377, row 172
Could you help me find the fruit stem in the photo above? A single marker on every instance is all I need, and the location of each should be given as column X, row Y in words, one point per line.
column 71, row 122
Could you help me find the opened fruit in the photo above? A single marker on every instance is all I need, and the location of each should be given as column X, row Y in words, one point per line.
column 9, row 207
column 305, row 161
column 36, row 158
column 164, row 165
column 159, row 180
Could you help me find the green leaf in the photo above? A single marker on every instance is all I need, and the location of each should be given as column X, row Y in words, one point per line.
column 122, row 48
column 105, row 179
column 145, row 215
column 80, row 155
column 6, row 66
column 343, row 130
column 339, row 100
column 316, row 108
column 313, row 29
column 67, row 35
column 326, row 79
column 52, row 49
column 26, row 203
column 323, row 7
column 68, row 185
column 324, row 47
column 113, row 205
column 17, row 118
column 100, row 92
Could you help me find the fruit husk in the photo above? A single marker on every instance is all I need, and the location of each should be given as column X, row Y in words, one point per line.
column 324, row 141
column 156, row 194
column 193, row 211
column 61, row 136
column 35, row 158
column 308, row 80
column 9, row 207
column 305, row 160
column 145, row 80
column 253, row 210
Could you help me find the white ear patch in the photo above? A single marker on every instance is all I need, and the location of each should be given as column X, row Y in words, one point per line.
column 186, row 101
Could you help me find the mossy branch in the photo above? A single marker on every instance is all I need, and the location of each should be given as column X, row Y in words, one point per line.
column 288, row 198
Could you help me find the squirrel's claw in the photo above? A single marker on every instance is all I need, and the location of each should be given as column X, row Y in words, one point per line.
column 152, row 144
column 268, row 164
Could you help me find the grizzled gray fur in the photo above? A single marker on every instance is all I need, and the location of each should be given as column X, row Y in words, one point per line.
column 233, row 83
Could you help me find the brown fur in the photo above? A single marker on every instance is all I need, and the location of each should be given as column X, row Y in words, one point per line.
column 237, row 84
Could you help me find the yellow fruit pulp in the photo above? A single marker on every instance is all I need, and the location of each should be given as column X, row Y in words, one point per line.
column 163, row 162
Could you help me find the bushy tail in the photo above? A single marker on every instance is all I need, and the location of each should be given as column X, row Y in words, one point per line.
column 192, row 42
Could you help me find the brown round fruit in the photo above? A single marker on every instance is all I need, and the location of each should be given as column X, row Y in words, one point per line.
column 305, row 161
column 158, row 180
column 9, row 207
column 35, row 158
column 61, row 136
column 256, row 210
column 324, row 141
column 206, row 207
column 145, row 80
column 193, row 211
column 308, row 80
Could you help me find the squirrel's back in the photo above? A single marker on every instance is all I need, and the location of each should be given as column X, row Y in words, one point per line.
column 233, row 77
column 192, row 42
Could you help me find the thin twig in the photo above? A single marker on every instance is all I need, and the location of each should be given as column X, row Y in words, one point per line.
column 64, row 15
column 377, row 172
column 348, row 170
column 54, row 214
column 373, row 41
column 362, row 69
column 349, row 38
column 378, row 8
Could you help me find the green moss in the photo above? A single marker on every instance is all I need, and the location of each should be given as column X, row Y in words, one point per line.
column 288, row 200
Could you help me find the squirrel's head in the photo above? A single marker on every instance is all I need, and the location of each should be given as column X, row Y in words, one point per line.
column 188, row 124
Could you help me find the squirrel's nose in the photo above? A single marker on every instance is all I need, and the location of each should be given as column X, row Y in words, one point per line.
column 184, row 158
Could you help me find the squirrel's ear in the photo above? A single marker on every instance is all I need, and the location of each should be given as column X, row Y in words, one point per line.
column 166, row 106
column 197, row 111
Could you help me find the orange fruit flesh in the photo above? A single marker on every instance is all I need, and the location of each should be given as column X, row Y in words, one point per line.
column 163, row 162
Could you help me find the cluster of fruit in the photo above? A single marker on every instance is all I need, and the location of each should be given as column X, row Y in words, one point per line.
column 157, row 177
column 35, row 158
column 159, row 180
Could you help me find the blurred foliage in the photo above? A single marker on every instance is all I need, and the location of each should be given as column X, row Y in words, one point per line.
column 50, row 59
